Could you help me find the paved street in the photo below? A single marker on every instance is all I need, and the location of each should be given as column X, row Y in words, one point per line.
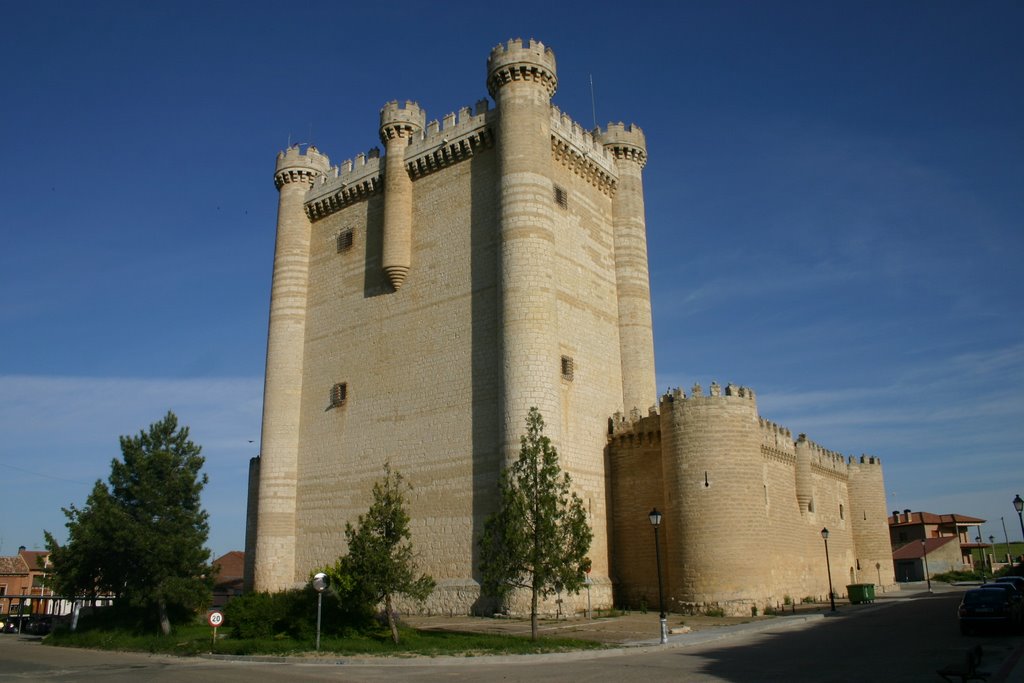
column 901, row 640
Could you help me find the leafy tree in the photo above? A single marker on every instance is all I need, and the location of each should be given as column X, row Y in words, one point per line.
column 380, row 563
column 141, row 536
column 539, row 537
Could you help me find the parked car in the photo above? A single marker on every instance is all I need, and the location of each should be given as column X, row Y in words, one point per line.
column 11, row 625
column 38, row 626
column 1017, row 581
column 1015, row 595
column 985, row 607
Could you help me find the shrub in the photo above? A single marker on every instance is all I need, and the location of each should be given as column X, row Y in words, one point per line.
column 714, row 612
column 954, row 576
column 293, row 613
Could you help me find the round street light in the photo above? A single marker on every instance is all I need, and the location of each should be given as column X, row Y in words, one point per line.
column 320, row 583
column 828, row 565
column 655, row 518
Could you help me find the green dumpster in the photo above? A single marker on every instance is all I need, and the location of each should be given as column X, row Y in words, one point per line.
column 861, row 592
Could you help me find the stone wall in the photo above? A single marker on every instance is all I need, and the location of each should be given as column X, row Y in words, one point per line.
column 736, row 531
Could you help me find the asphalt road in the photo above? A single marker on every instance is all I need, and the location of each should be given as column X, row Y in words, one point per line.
column 904, row 640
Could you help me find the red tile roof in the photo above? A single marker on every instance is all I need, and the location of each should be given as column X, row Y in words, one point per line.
column 917, row 518
column 914, row 549
column 231, row 565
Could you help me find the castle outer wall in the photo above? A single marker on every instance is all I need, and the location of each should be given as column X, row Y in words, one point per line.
column 743, row 507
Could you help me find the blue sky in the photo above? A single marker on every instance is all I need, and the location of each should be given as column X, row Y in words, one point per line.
column 834, row 208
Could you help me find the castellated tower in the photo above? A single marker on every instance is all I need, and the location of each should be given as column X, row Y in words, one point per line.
column 474, row 269
column 489, row 262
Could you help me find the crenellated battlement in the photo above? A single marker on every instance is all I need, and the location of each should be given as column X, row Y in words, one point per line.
column 352, row 181
column 578, row 150
column 823, row 459
column 401, row 121
column 453, row 139
column 295, row 166
column 625, row 142
column 775, row 436
column 714, row 391
column 515, row 61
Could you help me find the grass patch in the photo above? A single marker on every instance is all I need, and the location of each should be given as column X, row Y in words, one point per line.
column 196, row 639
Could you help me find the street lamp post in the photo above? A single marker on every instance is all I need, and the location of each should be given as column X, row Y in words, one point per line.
column 977, row 539
column 992, row 555
column 1018, row 505
column 320, row 583
column 828, row 566
column 1006, row 537
column 927, row 574
column 655, row 518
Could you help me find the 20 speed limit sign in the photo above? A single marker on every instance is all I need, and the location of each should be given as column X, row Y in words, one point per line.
column 215, row 619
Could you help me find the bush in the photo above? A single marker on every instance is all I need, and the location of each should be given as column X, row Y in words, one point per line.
column 293, row 613
column 954, row 576
column 122, row 616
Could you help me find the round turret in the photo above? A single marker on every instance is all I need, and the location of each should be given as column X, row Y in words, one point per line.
column 398, row 125
column 516, row 62
column 294, row 166
column 397, row 121
column 713, row 475
column 625, row 142
column 274, row 564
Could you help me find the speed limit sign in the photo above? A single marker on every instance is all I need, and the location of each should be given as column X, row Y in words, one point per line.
column 215, row 619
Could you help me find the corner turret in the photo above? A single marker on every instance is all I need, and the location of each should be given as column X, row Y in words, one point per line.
column 296, row 166
column 521, row 79
column 274, row 565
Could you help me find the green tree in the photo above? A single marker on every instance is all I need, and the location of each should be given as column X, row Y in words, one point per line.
column 141, row 536
column 380, row 563
column 538, row 538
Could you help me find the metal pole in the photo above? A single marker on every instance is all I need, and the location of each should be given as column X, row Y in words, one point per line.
column 319, row 602
column 927, row 574
column 1006, row 537
column 661, row 594
column 828, row 565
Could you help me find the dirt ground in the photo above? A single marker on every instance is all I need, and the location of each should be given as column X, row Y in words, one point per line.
column 629, row 627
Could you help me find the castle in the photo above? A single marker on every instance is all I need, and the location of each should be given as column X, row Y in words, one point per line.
column 424, row 300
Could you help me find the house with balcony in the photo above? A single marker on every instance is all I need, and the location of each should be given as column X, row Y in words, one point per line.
column 925, row 543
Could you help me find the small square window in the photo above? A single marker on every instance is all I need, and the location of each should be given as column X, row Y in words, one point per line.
column 339, row 393
column 561, row 198
column 567, row 368
column 345, row 240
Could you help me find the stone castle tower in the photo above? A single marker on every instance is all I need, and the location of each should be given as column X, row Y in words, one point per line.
column 421, row 304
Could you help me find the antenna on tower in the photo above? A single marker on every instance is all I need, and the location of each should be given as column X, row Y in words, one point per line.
column 593, row 103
